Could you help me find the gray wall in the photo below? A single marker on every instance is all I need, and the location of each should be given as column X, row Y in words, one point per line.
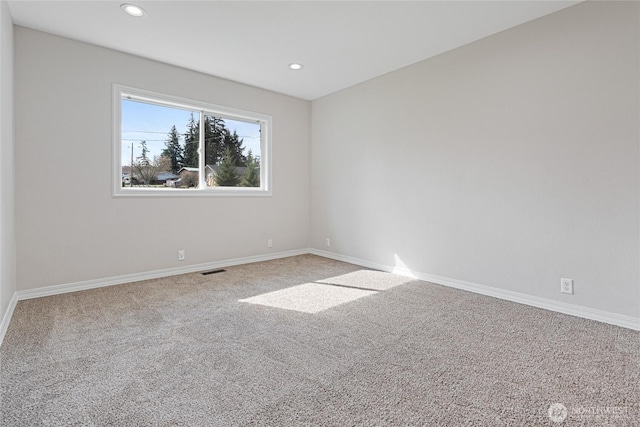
column 68, row 226
column 510, row 162
column 7, row 234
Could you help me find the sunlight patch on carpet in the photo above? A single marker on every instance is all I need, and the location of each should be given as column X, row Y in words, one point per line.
column 368, row 279
column 309, row 297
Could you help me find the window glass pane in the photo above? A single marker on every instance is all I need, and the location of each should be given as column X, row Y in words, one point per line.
column 159, row 146
column 232, row 152
column 171, row 146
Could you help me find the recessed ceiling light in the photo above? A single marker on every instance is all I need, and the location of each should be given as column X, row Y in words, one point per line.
column 295, row 66
column 132, row 9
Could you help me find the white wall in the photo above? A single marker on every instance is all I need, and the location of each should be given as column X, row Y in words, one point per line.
column 70, row 229
column 510, row 162
column 7, row 235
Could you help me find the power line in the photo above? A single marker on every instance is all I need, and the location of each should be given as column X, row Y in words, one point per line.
column 164, row 140
column 140, row 140
column 145, row 131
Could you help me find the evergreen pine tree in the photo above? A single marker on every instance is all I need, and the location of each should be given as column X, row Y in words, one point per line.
column 251, row 176
column 213, row 140
column 142, row 158
column 174, row 150
column 233, row 142
column 226, row 175
column 191, row 141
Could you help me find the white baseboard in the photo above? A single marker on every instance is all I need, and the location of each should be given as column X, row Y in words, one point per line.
column 545, row 303
column 4, row 325
column 574, row 310
column 148, row 275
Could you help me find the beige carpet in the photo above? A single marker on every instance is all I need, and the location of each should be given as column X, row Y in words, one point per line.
column 309, row 341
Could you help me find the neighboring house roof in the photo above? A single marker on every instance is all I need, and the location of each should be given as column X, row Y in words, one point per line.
column 186, row 169
column 163, row 176
column 240, row 170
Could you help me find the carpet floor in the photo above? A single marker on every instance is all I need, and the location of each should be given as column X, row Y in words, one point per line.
column 309, row 341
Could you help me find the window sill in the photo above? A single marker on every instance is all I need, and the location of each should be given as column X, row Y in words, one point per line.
column 171, row 193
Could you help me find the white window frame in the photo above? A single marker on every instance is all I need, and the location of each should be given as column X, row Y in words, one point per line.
column 203, row 108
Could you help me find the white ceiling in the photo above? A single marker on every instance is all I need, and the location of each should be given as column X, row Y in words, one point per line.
column 340, row 43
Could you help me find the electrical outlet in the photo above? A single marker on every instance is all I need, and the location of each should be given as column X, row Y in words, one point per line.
column 270, row 243
column 181, row 255
column 327, row 242
column 566, row 286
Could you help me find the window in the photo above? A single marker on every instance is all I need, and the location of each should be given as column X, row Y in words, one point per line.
column 168, row 146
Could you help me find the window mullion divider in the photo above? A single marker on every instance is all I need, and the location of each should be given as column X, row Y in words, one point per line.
column 202, row 184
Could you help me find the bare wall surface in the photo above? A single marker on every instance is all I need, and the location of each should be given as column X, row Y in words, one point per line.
column 510, row 162
column 70, row 229
column 7, row 216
